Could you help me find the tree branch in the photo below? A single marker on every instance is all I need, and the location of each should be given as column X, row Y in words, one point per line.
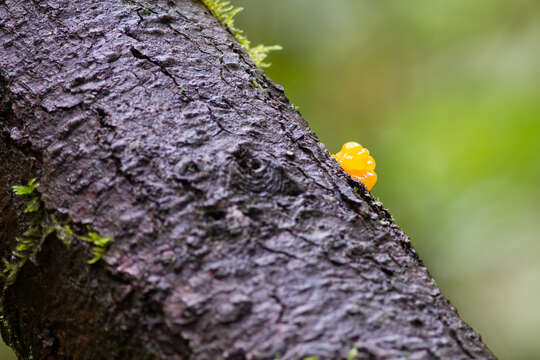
column 237, row 236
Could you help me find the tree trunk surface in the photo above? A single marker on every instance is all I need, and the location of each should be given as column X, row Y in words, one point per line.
column 236, row 235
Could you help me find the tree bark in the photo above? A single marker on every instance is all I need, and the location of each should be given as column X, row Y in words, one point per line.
column 237, row 236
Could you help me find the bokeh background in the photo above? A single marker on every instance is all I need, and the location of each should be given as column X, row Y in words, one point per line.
column 446, row 95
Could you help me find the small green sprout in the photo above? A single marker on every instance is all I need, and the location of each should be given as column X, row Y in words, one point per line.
column 9, row 272
column 25, row 189
column 384, row 222
column 33, row 232
column 65, row 234
column 32, row 205
column 225, row 13
column 23, row 246
column 257, row 85
column 101, row 243
column 29, row 244
column 353, row 353
column 260, row 52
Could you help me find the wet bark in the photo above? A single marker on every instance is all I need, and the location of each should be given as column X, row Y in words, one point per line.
column 237, row 236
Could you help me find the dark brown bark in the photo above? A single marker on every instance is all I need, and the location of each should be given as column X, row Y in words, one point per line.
column 237, row 236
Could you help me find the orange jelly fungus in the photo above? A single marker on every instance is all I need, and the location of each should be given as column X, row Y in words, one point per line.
column 356, row 161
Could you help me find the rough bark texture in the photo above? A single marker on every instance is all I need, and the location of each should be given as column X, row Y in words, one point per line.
column 237, row 235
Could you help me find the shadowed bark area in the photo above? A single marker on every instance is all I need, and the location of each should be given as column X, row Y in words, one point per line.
column 237, row 236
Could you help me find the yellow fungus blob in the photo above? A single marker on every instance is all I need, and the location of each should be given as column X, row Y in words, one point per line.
column 356, row 161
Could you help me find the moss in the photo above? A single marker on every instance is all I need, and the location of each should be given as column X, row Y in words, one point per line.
column 41, row 225
column 25, row 189
column 225, row 13
column 257, row 85
column 29, row 244
column 353, row 353
column 100, row 244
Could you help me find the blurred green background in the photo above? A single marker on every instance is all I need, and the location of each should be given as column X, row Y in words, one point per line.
column 446, row 95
